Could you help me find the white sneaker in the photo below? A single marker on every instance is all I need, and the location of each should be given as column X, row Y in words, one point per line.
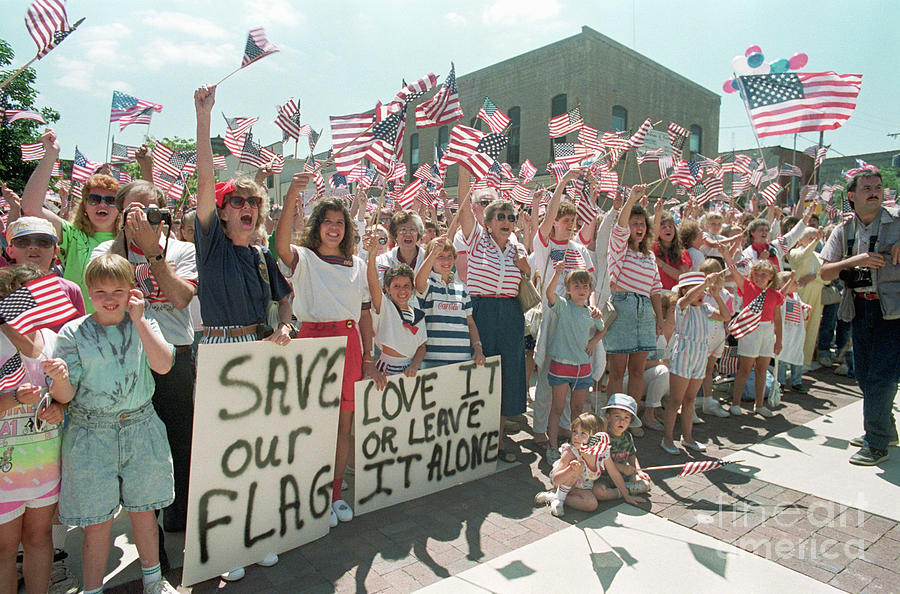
column 544, row 497
column 333, row 521
column 234, row 575
column 712, row 407
column 736, row 410
column 160, row 587
column 268, row 560
column 342, row 510
column 764, row 412
column 557, row 508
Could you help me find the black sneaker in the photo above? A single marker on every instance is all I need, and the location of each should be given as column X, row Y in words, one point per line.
column 868, row 457
column 861, row 441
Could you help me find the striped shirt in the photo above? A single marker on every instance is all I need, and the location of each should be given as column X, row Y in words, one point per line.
column 491, row 271
column 447, row 307
column 632, row 271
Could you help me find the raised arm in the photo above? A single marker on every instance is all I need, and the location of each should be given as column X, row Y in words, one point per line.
column 144, row 157
column 636, row 193
column 732, row 268
column 204, row 99
column 465, row 214
column 550, row 290
column 553, row 206
column 36, row 188
column 427, row 267
column 285, row 227
column 375, row 292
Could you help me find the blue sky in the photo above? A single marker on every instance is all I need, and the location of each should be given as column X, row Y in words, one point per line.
column 344, row 56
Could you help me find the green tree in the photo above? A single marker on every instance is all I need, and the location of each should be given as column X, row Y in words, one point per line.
column 19, row 94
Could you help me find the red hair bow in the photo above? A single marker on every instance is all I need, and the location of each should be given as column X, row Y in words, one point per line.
column 223, row 188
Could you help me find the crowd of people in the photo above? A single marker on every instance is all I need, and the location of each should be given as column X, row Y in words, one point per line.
column 634, row 304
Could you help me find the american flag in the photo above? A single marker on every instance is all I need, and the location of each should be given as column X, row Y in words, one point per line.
column 637, row 139
column 125, row 105
column 742, row 164
column 817, row 153
column 794, row 102
column 757, row 175
column 32, row 152
column 82, row 168
column 790, row 170
column 412, row 91
column 139, row 117
column 651, row 155
column 368, row 178
column 337, row 181
column 123, row 176
column 12, row 373
column 700, row 466
column 239, row 125
column 351, row 137
column 565, row 123
column 596, row 445
column 677, row 136
column 56, row 172
column 39, row 304
column 444, row 107
column 770, row 193
column 590, row 138
column 12, row 115
column 569, row 153
column 166, row 160
column 47, row 24
column 713, row 190
column 558, row 169
column 122, row 154
column 527, row 171
column 144, row 279
column 257, row 47
column 396, row 171
column 521, row 194
column 793, row 311
column 682, row 175
column 313, row 138
column 739, row 186
column 288, row 120
column 493, row 117
column 426, row 173
column 473, row 149
column 748, row 319
column 387, row 141
column 408, row 196
column 609, row 181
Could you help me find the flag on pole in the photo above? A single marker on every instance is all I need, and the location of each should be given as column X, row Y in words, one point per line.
column 473, row 149
column 817, row 153
column 12, row 115
column 748, row 319
column 493, row 117
column 527, row 171
column 558, row 169
column 12, row 373
column 637, row 139
column 701, row 466
column 351, row 136
column 795, row 102
column 47, row 24
column 126, row 106
column 257, row 47
column 38, row 304
column 56, row 172
column 122, row 154
column 444, row 107
column 32, row 152
column 239, row 125
column 82, row 168
column 139, row 117
column 288, row 120
column 677, row 135
column 770, row 193
column 566, row 122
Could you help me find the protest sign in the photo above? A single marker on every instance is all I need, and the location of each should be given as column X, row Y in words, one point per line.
column 655, row 140
column 265, row 425
column 425, row 433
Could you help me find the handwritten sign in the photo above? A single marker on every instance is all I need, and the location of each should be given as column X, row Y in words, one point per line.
column 265, row 425
column 425, row 433
column 655, row 140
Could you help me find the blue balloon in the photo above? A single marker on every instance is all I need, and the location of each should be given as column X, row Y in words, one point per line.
column 755, row 60
column 782, row 65
column 735, row 84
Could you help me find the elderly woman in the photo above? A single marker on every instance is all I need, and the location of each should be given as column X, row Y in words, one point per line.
column 237, row 280
column 496, row 262
column 96, row 217
column 406, row 229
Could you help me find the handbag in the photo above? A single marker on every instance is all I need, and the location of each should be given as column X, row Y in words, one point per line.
column 609, row 313
column 830, row 294
column 527, row 296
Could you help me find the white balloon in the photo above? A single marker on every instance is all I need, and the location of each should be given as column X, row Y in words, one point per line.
column 739, row 65
column 763, row 68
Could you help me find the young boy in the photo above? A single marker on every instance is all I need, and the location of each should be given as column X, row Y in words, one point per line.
column 577, row 333
column 620, row 410
column 114, row 448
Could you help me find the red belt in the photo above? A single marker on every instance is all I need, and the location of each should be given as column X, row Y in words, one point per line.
column 867, row 296
column 327, row 325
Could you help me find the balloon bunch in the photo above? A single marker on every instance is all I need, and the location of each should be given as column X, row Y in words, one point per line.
column 754, row 62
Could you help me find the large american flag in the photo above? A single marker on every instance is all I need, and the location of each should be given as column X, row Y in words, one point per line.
column 288, row 120
column 770, row 193
column 444, row 107
column 47, row 24
column 565, row 123
column 351, row 136
column 122, row 154
column 39, row 304
column 387, row 141
column 493, row 117
column 82, row 168
column 257, row 47
column 748, row 319
column 139, row 117
column 12, row 373
column 794, row 102
column 126, row 106
column 32, row 152
column 473, row 149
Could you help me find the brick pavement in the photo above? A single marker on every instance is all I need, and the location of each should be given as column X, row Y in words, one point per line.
column 417, row 543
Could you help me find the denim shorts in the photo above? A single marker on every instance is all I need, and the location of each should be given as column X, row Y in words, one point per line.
column 634, row 329
column 577, row 376
column 113, row 459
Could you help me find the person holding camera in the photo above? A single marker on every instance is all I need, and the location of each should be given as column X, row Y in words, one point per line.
column 865, row 253
column 166, row 273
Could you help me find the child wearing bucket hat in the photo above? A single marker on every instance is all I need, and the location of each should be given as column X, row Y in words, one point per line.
column 689, row 349
column 620, row 409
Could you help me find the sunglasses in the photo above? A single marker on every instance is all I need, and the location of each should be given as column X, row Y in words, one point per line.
column 96, row 199
column 41, row 241
column 239, row 201
column 502, row 216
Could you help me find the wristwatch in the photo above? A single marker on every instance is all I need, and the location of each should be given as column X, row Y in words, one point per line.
column 158, row 258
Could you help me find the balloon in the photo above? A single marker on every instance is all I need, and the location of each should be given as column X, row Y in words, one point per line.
column 761, row 69
column 740, row 66
column 782, row 65
column 753, row 49
column 735, row 84
column 726, row 86
column 798, row 61
column 755, row 59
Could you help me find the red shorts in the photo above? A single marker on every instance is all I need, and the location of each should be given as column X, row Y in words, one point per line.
column 353, row 363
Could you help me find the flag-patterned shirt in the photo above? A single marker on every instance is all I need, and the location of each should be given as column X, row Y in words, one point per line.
column 774, row 298
column 549, row 251
column 492, row 272
column 632, row 271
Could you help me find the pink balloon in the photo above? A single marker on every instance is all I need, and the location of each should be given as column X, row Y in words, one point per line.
column 726, row 86
column 798, row 60
column 753, row 49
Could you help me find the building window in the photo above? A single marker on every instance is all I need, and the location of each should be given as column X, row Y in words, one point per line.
column 413, row 152
column 443, row 137
column 558, row 106
column 512, row 149
column 619, row 118
column 696, row 140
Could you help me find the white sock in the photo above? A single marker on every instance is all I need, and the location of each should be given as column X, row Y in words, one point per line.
column 58, row 534
column 151, row 575
column 561, row 492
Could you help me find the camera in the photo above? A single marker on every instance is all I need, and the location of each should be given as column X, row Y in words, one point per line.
column 856, row 277
column 155, row 215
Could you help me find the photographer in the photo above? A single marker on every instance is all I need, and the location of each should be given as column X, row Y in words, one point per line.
column 166, row 272
column 865, row 253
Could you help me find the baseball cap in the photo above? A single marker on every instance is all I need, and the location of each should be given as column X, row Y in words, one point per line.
column 623, row 401
column 30, row 226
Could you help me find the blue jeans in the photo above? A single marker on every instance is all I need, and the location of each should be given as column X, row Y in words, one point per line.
column 876, row 358
column 796, row 373
column 827, row 329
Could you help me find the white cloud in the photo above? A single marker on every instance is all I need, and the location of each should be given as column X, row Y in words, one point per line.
column 177, row 54
column 272, row 12
column 455, row 19
column 183, row 23
column 508, row 12
column 102, row 43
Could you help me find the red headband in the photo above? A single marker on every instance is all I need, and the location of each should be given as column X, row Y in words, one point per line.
column 222, row 189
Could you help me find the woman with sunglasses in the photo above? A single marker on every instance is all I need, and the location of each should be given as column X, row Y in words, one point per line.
column 96, row 217
column 406, row 229
column 496, row 261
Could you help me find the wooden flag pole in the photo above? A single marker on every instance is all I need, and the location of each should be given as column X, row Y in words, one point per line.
column 15, row 74
column 676, row 466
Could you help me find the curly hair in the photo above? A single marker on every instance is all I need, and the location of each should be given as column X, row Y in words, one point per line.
column 398, row 271
column 644, row 245
column 242, row 182
column 499, row 204
column 672, row 252
column 15, row 277
column 689, row 232
column 312, row 233
column 101, row 182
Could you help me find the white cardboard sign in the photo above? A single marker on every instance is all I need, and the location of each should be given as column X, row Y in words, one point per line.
column 265, row 425
column 654, row 140
column 425, row 433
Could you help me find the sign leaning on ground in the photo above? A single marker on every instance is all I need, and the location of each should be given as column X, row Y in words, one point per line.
column 425, row 433
column 265, row 425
